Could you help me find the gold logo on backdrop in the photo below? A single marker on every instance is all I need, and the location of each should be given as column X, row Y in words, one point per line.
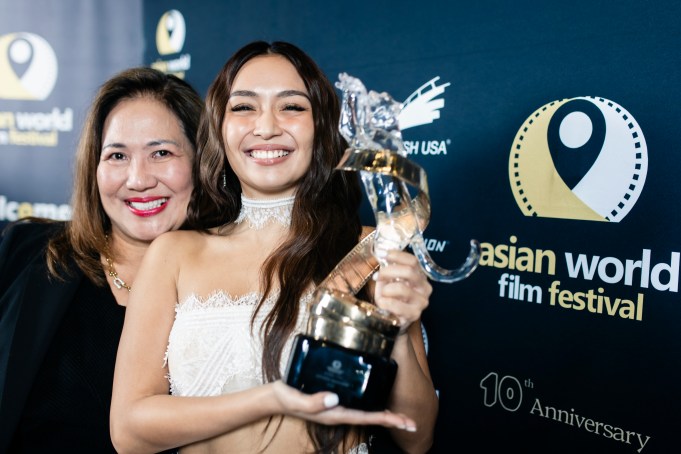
column 170, row 32
column 28, row 67
column 582, row 158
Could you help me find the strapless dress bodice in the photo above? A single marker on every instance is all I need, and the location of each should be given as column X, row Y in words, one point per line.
column 212, row 347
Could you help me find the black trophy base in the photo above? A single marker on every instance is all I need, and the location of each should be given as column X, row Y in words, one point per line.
column 362, row 381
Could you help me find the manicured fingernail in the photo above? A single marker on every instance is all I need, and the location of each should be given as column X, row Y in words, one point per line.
column 410, row 428
column 330, row 400
column 375, row 276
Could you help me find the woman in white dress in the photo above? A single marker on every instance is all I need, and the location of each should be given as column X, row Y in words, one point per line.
column 222, row 303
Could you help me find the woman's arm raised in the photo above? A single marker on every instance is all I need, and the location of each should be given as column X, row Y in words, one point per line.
column 403, row 289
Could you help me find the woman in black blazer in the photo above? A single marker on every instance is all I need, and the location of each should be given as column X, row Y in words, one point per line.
column 64, row 286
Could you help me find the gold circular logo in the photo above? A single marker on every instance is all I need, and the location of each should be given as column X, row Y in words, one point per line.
column 581, row 158
column 28, row 67
column 170, row 32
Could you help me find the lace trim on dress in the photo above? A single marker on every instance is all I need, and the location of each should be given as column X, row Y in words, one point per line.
column 216, row 299
column 212, row 349
column 220, row 298
column 259, row 213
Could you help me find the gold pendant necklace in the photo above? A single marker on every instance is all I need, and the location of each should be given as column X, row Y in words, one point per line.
column 117, row 281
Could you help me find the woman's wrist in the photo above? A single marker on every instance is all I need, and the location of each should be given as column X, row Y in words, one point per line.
column 270, row 401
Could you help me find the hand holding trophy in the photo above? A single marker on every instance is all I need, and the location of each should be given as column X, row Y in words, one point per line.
column 348, row 342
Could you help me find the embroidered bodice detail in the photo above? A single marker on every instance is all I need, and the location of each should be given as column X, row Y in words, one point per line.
column 259, row 213
column 212, row 349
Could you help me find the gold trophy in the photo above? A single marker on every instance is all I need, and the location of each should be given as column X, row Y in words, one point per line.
column 348, row 342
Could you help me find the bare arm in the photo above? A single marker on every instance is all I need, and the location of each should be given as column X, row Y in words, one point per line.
column 144, row 418
column 404, row 290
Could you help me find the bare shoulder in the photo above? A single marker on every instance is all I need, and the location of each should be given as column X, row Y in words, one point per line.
column 179, row 235
column 177, row 243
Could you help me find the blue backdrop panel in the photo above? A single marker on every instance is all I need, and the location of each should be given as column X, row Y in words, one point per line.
column 564, row 340
column 551, row 139
column 53, row 56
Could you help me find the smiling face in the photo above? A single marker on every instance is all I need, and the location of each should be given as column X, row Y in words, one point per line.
column 144, row 172
column 268, row 129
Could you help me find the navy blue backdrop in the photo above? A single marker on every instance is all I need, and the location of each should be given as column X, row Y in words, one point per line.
column 553, row 141
column 53, row 56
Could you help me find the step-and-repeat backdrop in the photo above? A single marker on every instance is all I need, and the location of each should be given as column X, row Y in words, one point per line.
column 549, row 133
column 53, row 57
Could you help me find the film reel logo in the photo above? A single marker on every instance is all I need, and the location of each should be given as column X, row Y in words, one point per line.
column 28, row 67
column 170, row 32
column 582, row 158
column 423, row 106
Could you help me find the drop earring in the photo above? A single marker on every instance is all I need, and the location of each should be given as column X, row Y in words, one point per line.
column 224, row 179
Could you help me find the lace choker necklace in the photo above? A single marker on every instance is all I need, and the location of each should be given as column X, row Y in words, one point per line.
column 259, row 213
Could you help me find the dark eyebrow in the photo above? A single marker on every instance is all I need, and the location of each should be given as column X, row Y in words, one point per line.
column 287, row 93
column 157, row 142
column 281, row 94
column 243, row 93
column 151, row 143
column 113, row 145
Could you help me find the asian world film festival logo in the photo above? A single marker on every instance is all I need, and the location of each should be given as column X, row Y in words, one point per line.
column 582, row 158
column 170, row 32
column 28, row 67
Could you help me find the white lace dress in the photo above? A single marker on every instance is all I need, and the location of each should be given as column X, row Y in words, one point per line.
column 212, row 349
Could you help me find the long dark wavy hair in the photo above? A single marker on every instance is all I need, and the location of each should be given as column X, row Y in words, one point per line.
column 83, row 239
column 325, row 222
